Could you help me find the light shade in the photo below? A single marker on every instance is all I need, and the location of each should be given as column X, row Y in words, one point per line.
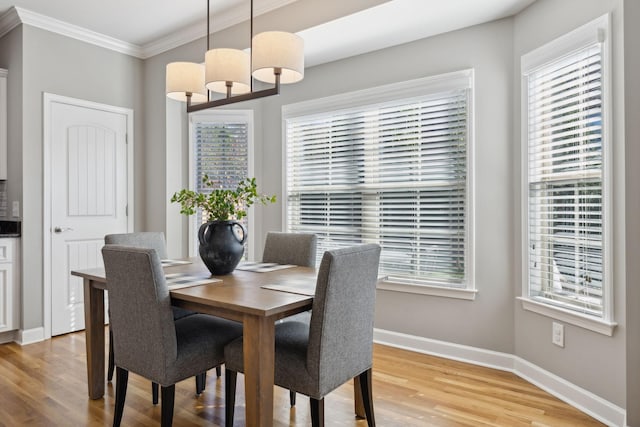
column 227, row 65
column 183, row 77
column 278, row 49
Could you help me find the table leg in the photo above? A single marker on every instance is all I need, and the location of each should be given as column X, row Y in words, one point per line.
column 357, row 399
column 259, row 347
column 94, row 338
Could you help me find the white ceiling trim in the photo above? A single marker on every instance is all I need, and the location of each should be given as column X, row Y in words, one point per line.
column 172, row 41
column 8, row 21
column 16, row 16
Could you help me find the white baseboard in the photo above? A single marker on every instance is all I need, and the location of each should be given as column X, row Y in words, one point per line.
column 587, row 402
column 30, row 336
column 579, row 398
column 462, row 353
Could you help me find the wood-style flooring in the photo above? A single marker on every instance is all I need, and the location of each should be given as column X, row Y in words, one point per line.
column 44, row 384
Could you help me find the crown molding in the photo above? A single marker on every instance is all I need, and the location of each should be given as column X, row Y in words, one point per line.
column 8, row 21
column 222, row 20
column 75, row 32
column 228, row 18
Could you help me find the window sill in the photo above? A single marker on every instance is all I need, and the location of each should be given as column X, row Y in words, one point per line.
column 596, row 325
column 439, row 291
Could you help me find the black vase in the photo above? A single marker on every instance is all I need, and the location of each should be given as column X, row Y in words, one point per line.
column 220, row 247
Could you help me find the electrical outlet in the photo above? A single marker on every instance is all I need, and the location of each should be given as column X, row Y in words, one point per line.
column 557, row 334
column 15, row 208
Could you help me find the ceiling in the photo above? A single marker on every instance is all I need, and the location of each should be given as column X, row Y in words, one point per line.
column 152, row 26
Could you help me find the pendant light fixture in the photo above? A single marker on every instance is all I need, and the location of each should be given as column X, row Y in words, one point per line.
column 275, row 57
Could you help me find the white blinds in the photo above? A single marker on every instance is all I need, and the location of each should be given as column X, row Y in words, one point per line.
column 394, row 174
column 221, row 151
column 565, row 140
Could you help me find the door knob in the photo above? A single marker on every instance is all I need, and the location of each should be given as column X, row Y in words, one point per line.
column 62, row 229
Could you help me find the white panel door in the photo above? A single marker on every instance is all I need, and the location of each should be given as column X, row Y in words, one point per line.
column 88, row 200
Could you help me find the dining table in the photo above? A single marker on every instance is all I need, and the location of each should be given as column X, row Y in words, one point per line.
column 242, row 296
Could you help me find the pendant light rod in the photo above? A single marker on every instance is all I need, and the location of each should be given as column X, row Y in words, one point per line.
column 251, row 44
column 233, row 99
column 208, row 47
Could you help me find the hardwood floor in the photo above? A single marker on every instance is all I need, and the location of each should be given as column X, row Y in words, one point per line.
column 44, row 384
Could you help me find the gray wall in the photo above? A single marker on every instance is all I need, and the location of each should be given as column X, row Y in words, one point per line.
column 632, row 200
column 64, row 66
column 589, row 360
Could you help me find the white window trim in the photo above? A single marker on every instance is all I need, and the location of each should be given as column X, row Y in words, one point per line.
column 569, row 316
column 432, row 290
column 221, row 116
column 596, row 30
column 392, row 92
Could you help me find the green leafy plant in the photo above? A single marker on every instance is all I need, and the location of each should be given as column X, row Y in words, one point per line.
column 221, row 204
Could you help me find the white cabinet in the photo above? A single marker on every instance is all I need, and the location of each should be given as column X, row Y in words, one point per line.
column 3, row 124
column 9, row 284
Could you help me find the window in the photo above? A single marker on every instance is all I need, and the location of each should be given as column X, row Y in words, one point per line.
column 566, row 145
column 220, row 148
column 390, row 166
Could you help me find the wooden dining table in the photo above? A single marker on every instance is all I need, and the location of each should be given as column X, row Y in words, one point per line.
column 237, row 296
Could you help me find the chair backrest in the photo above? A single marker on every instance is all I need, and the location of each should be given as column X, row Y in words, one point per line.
column 145, row 239
column 144, row 335
column 290, row 248
column 341, row 331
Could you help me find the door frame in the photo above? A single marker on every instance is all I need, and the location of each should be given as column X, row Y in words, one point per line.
column 48, row 101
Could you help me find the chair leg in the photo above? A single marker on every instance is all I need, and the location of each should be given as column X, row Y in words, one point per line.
column 201, row 380
column 230, row 379
column 292, row 398
column 111, row 361
column 317, row 412
column 168, row 397
column 154, row 393
column 122, row 378
column 367, row 396
column 219, row 371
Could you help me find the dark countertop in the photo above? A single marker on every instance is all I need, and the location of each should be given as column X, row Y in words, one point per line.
column 9, row 228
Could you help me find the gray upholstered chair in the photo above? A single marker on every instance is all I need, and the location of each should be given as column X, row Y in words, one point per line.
column 290, row 248
column 335, row 346
column 147, row 340
column 145, row 239
column 153, row 240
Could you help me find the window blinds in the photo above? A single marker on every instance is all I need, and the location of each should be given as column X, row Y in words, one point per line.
column 220, row 151
column 565, row 160
column 394, row 174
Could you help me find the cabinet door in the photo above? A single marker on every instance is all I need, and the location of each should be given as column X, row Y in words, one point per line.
column 6, row 298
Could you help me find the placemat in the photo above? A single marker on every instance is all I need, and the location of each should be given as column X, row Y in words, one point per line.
column 173, row 262
column 183, row 280
column 300, row 288
column 262, row 267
